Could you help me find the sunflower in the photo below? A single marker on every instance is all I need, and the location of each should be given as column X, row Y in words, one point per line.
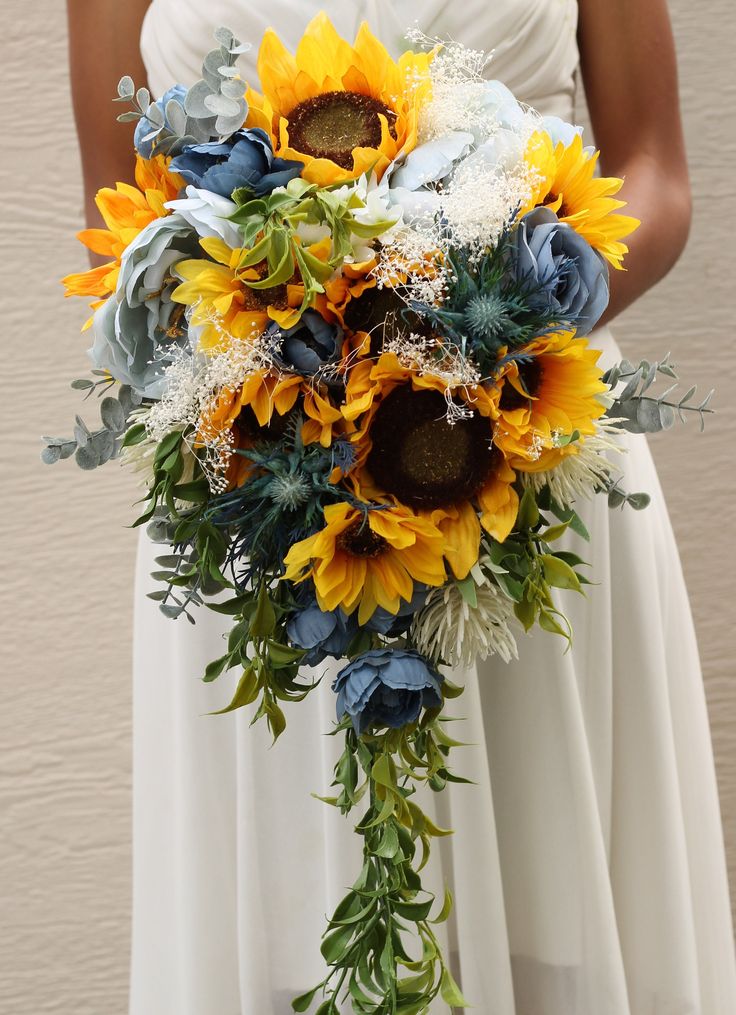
column 223, row 303
column 342, row 110
column 126, row 210
column 438, row 464
column 238, row 419
column 567, row 184
column 550, row 393
column 368, row 559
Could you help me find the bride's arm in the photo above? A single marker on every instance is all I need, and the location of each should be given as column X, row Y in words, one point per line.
column 103, row 46
column 630, row 76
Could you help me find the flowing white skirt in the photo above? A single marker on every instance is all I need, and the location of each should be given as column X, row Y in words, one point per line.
column 587, row 863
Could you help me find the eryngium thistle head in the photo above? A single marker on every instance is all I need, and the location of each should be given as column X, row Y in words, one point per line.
column 289, row 491
column 486, row 318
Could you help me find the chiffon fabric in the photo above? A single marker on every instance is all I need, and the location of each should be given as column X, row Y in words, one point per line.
column 587, row 863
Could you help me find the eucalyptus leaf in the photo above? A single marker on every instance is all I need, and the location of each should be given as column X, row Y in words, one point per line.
column 51, row 454
column 112, row 414
column 87, row 457
column 126, row 87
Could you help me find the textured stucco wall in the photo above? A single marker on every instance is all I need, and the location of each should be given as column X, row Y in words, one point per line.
column 67, row 559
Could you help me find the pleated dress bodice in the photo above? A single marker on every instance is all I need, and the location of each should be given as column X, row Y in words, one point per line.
column 533, row 41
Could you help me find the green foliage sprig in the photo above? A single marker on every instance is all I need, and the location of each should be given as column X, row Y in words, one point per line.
column 92, row 448
column 369, row 939
column 642, row 412
column 268, row 225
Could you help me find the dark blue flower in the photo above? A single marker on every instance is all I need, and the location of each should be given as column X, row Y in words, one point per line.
column 394, row 624
column 386, row 687
column 245, row 160
column 562, row 270
column 146, row 126
column 322, row 633
column 310, row 344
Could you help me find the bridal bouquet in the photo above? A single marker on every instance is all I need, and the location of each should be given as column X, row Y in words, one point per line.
column 341, row 336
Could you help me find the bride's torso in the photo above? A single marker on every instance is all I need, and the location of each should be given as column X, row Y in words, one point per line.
column 533, row 41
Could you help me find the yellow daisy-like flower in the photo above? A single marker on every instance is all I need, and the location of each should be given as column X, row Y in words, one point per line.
column 368, row 559
column 126, row 210
column 342, row 110
column 553, row 394
column 223, row 303
column 567, row 184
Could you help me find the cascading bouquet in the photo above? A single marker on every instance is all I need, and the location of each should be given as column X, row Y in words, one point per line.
column 344, row 322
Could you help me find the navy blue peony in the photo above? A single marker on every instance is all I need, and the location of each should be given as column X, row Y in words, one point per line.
column 245, row 160
column 386, row 687
column 309, row 345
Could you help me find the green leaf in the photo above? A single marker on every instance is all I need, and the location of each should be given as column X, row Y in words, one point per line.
column 446, row 908
column 263, row 620
column 526, row 613
column 469, row 591
column 336, row 943
column 417, row 912
column 450, row 992
column 559, row 574
column 134, row 435
column 555, row 531
column 215, row 668
column 245, row 693
column 528, row 517
column 304, row 1001
column 197, row 492
column 388, row 847
column 283, row 655
column 548, row 623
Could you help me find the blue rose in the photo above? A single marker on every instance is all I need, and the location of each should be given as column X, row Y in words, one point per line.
column 146, row 126
column 562, row 270
column 309, row 345
column 245, row 160
column 386, row 687
column 321, row 633
column 139, row 329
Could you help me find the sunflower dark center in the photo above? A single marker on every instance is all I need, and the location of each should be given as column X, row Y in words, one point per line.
column 331, row 125
column 251, row 430
column 530, row 379
column 260, row 299
column 359, row 540
column 421, row 457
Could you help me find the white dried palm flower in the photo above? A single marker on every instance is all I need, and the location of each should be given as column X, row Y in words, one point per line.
column 450, row 628
column 586, row 473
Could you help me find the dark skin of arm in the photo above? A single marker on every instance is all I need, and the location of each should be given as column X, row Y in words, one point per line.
column 630, row 76
column 103, row 46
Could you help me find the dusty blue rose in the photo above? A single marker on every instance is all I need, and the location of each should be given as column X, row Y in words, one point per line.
column 137, row 331
column 145, row 126
column 245, row 160
column 309, row 345
column 322, row 633
column 412, row 183
column 562, row 269
column 386, row 687
column 560, row 130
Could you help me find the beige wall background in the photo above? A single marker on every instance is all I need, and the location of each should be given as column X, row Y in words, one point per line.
column 67, row 559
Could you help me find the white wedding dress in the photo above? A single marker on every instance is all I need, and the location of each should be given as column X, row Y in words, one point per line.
column 588, row 864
